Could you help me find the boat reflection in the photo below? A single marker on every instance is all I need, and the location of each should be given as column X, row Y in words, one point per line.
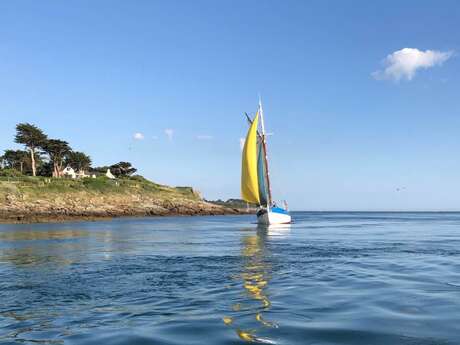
column 250, row 312
column 275, row 230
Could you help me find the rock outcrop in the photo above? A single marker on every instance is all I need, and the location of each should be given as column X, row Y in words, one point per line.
column 24, row 205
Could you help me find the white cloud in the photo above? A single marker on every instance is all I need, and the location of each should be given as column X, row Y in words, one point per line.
column 242, row 141
column 138, row 136
column 204, row 137
column 169, row 133
column 404, row 63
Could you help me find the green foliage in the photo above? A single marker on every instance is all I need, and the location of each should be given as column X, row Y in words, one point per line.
column 45, row 169
column 100, row 184
column 19, row 160
column 232, row 203
column 8, row 172
column 15, row 159
column 77, row 160
column 185, row 190
column 57, row 150
column 45, row 188
column 139, row 178
column 29, row 135
column 32, row 137
column 56, row 154
column 122, row 169
column 100, row 170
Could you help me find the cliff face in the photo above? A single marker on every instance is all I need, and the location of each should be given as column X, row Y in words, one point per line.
column 42, row 200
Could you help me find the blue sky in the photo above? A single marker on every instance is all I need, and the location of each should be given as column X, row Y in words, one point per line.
column 345, row 138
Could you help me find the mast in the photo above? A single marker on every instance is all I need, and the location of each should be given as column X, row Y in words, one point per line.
column 264, row 144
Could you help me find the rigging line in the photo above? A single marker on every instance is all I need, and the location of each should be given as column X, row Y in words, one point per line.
column 250, row 123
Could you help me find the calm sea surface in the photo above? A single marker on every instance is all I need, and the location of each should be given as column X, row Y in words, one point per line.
column 330, row 278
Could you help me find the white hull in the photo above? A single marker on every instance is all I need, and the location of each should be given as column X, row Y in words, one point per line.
column 270, row 217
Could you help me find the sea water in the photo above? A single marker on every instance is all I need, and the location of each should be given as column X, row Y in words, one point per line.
column 329, row 278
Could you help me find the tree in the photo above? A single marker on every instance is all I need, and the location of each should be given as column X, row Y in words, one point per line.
column 32, row 137
column 45, row 169
column 15, row 159
column 20, row 161
column 121, row 169
column 78, row 160
column 57, row 151
column 101, row 169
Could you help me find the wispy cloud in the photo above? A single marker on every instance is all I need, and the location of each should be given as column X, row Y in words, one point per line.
column 169, row 133
column 404, row 63
column 138, row 136
column 204, row 137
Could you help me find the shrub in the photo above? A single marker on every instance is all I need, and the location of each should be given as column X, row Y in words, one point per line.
column 138, row 178
column 100, row 183
column 10, row 173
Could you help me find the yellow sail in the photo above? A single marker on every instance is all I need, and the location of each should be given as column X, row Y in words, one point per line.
column 249, row 180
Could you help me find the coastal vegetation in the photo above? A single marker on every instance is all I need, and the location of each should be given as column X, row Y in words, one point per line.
column 43, row 199
column 38, row 186
column 44, row 156
column 34, row 187
column 32, row 138
column 233, row 203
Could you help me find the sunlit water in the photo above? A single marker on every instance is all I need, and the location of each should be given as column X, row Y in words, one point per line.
column 330, row 278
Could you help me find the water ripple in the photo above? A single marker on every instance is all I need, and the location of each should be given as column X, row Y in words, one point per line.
column 330, row 278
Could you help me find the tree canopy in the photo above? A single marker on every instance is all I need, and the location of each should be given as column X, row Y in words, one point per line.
column 48, row 157
column 15, row 159
column 78, row 160
column 32, row 137
column 122, row 169
column 57, row 150
column 29, row 135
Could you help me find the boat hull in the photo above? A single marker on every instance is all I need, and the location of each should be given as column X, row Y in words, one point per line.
column 272, row 217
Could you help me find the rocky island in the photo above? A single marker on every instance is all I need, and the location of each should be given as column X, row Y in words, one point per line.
column 49, row 181
column 39, row 199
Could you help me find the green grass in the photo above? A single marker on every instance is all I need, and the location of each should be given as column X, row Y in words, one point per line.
column 43, row 186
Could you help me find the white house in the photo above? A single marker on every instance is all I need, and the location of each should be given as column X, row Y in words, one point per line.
column 81, row 174
column 69, row 172
column 109, row 174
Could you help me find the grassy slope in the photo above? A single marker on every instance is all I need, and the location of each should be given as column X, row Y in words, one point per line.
column 40, row 188
column 39, row 199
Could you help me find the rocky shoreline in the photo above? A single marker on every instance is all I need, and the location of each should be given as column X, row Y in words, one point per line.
column 44, row 212
column 35, row 200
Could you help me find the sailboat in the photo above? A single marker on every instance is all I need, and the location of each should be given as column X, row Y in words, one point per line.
column 255, row 177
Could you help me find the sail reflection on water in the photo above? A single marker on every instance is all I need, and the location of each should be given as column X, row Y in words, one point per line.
column 250, row 313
